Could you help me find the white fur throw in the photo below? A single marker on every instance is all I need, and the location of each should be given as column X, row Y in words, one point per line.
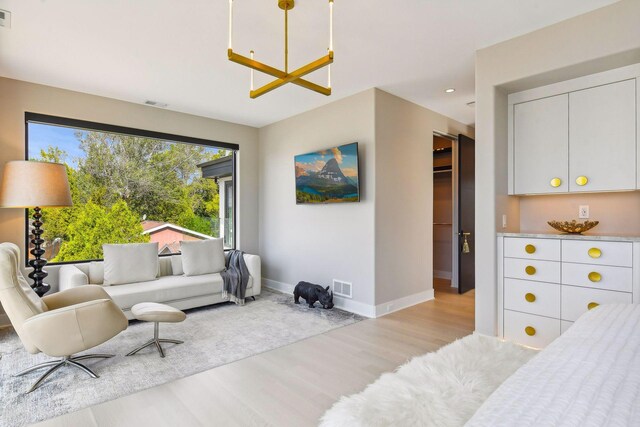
column 444, row 388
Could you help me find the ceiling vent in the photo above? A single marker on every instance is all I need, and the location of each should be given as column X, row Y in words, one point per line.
column 471, row 104
column 156, row 104
column 5, row 18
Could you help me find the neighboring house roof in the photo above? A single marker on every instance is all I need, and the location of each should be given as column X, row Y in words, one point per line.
column 147, row 225
column 170, row 248
column 152, row 227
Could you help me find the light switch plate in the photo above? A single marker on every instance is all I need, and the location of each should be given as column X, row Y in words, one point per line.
column 583, row 212
column 504, row 221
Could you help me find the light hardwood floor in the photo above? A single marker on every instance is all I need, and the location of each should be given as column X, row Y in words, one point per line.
column 293, row 385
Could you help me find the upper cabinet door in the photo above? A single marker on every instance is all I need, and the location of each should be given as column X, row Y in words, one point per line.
column 541, row 146
column 602, row 138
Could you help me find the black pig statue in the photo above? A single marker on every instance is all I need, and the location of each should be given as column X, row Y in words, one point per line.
column 312, row 293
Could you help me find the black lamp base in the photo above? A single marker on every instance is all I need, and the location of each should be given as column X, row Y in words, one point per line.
column 38, row 274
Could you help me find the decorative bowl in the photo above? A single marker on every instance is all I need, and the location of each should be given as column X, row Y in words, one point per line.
column 573, row 227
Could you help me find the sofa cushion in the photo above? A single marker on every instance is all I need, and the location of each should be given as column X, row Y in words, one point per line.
column 130, row 263
column 202, row 257
column 165, row 289
column 96, row 272
column 176, row 265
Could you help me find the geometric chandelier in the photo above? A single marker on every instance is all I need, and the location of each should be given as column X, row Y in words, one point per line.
column 284, row 77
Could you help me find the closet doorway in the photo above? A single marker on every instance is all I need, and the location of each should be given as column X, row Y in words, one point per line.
column 453, row 213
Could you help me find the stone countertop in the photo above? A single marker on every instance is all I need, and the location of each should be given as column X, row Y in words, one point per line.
column 588, row 236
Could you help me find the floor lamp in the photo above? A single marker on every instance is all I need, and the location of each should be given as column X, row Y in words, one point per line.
column 37, row 185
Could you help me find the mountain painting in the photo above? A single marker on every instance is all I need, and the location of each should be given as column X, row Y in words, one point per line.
column 328, row 176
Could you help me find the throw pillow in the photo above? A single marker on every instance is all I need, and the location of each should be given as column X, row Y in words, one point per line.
column 130, row 263
column 176, row 265
column 202, row 257
column 96, row 272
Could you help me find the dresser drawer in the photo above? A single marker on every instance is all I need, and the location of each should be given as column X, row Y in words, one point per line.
column 576, row 301
column 532, row 297
column 595, row 252
column 526, row 269
column 530, row 330
column 598, row 276
column 542, row 249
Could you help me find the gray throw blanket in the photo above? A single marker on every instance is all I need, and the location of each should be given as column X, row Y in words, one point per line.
column 235, row 277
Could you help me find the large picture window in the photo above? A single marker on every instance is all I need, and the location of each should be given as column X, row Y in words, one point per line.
column 131, row 186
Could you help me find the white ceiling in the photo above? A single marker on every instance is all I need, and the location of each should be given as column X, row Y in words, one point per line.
column 175, row 51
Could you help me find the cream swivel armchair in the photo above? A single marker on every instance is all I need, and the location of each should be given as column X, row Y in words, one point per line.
column 58, row 325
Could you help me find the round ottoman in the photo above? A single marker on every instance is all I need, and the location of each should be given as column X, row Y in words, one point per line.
column 156, row 313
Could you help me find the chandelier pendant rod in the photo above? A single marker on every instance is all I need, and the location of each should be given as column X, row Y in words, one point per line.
column 286, row 40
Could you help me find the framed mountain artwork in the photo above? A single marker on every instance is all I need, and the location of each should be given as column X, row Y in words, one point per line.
column 328, row 176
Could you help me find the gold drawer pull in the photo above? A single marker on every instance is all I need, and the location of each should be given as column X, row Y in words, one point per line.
column 555, row 182
column 530, row 330
column 530, row 249
column 530, row 297
column 530, row 270
column 592, row 305
column 595, row 277
column 582, row 181
column 595, row 253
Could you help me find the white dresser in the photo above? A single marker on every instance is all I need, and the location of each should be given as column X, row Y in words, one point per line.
column 546, row 281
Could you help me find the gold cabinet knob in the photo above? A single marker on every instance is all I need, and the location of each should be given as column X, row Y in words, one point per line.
column 555, row 182
column 595, row 253
column 530, row 330
column 595, row 277
column 592, row 305
column 530, row 270
column 530, row 297
column 582, row 181
column 530, row 249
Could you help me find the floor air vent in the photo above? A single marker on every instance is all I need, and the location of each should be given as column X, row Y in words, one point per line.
column 5, row 18
column 342, row 288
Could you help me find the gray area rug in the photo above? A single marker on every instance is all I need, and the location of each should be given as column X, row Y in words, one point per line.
column 213, row 336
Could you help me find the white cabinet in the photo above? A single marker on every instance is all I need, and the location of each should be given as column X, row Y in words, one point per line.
column 576, row 136
column 547, row 282
column 602, row 138
column 541, row 145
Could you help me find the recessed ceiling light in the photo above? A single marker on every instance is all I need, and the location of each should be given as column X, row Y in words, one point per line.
column 450, row 90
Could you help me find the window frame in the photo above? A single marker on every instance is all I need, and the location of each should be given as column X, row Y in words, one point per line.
column 46, row 119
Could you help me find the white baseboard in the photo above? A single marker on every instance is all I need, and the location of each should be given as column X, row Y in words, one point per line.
column 345, row 304
column 285, row 288
column 357, row 307
column 404, row 302
column 441, row 274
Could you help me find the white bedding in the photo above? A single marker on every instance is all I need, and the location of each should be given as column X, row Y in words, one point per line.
column 590, row 376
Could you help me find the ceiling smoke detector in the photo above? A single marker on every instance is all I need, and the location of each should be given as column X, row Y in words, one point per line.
column 5, row 18
column 156, row 104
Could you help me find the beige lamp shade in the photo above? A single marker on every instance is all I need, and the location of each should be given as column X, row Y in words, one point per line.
column 30, row 184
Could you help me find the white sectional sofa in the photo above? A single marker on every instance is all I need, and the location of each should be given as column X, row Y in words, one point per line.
column 179, row 291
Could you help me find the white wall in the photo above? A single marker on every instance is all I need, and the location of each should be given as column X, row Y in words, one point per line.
column 603, row 39
column 404, row 197
column 318, row 243
column 18, row 97
column 382, row 244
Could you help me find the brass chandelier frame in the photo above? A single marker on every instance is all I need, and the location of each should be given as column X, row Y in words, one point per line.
column 284, row 77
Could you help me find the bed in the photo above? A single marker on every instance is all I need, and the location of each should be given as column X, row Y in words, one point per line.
column 589, row 376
